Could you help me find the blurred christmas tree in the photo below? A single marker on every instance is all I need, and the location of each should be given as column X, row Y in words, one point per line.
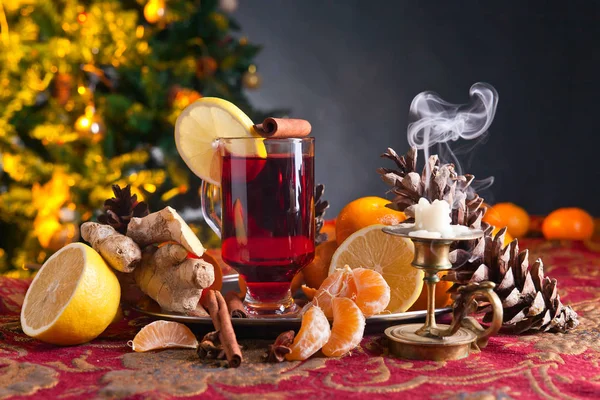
column 89, row 93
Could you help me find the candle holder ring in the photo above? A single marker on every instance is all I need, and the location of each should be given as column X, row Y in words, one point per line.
column 431, row 341
column 467, row 303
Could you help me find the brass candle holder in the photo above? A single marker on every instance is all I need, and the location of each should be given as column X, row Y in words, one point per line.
column 443, row 342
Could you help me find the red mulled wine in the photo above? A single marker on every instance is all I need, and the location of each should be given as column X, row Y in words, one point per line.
column 268, row 220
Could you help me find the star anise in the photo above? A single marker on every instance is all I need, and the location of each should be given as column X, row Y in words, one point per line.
column 210, row 347
column 280, row 348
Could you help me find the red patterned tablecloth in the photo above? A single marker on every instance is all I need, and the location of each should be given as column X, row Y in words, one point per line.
column 540, row 366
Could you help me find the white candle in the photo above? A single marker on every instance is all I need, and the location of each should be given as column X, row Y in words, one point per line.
column 433, row 218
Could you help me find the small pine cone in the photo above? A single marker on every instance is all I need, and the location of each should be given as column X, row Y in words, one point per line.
column 321, row 207
column 119, row 210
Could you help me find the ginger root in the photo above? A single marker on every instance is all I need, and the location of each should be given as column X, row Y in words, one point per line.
column 119, row 251
column 165, row 274
column 164, row 226
column 171, row 279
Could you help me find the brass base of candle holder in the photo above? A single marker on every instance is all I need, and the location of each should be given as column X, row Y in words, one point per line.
column 443, row 342
column 404, row 342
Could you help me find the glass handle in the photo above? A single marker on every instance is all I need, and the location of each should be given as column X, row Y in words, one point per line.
column 210, row 198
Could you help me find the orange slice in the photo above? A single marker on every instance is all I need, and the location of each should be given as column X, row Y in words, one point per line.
column 348, row 328
column 163, row 335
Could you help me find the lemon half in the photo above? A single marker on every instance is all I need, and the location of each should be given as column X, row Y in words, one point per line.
column 72, row 299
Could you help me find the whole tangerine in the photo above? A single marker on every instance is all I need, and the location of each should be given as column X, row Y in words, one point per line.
column 442, row 297
column 363, row 212
column 507, row 236
column 568, row 223
column 512, row 216
column 329, row 229
column 297, row 281
column 316, row 272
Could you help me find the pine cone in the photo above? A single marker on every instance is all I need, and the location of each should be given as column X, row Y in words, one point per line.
column 119, row 210
column 320, row 207
column 442, row 184
column 530, row 300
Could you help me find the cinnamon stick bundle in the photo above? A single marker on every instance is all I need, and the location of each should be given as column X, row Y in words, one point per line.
column 217, row 309
column 235, row 305
column 283, row 128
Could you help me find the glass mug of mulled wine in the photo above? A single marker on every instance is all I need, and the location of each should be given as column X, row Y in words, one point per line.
column 267, row 223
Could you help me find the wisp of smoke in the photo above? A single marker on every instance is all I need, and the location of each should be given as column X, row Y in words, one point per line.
column 435, row 121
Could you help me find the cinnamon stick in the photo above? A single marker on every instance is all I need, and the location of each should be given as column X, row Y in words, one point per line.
column 217, row 309
column 235, row 305
column 283, row 128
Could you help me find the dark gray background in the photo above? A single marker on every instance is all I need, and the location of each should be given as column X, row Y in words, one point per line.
column 352, row 68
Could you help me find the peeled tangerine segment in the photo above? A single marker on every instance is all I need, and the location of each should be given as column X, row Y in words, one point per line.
column 340, row 283
column 164, row 335
column 314, row 333
column 372, row 291
column 348, row 328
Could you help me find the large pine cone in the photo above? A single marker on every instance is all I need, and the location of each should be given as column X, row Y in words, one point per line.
column 530, row 299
